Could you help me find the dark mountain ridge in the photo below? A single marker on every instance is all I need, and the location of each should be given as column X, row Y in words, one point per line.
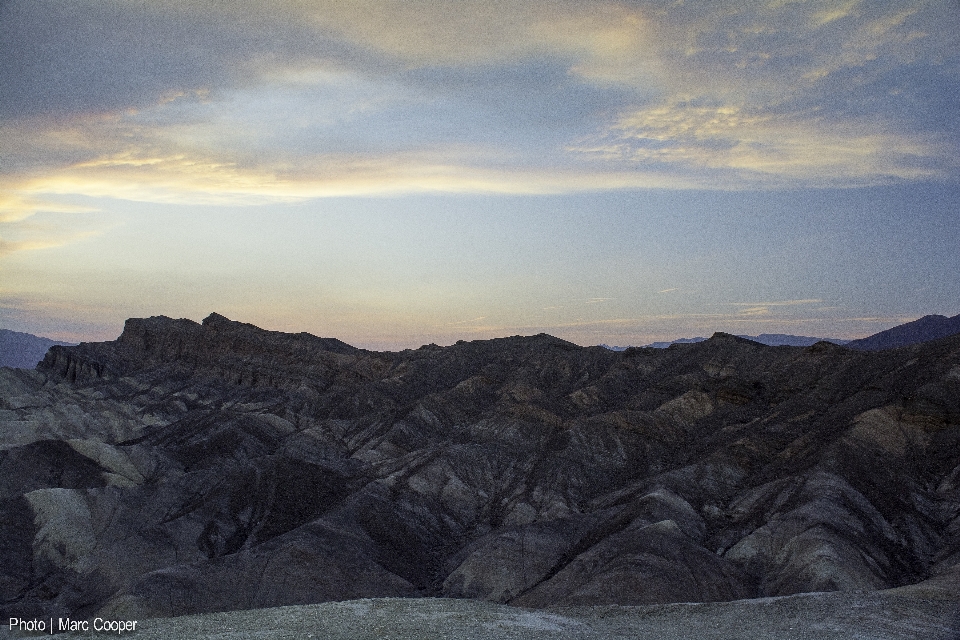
column 927, row 328
column 193, row 467
column 930, row 327
column 769, row 339
column 24, row 350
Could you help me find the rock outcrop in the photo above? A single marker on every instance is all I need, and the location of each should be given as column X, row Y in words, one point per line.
column 188, row 468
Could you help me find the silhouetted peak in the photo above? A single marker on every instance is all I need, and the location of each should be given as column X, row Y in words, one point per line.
column 215, row 319
column 929, row 327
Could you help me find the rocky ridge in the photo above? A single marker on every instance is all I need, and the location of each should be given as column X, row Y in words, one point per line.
column 188, row 468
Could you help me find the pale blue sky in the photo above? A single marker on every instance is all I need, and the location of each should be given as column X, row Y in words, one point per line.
column 396, row 173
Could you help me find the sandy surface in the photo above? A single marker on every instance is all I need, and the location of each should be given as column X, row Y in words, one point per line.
column 846, row 616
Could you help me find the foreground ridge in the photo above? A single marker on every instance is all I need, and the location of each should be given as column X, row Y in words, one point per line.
column 187, row 468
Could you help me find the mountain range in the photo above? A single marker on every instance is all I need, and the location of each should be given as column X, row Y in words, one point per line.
column 930, row 327
column 188, row 468
column 926, row 328
column 769, row 339
column 24, row 350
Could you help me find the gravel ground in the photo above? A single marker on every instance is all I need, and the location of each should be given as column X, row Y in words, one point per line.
column 825, row 616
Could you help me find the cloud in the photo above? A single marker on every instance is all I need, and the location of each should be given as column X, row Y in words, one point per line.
column 720, row 142
column 836, row 12
column 785, row 94
column 340, row 138
column 152, row 156
column 233, row 103
column 778, row 303
column 759, row 309
column 602, row 41
column 180, row 179
column 20, row 232
column 170, row 46
column 755, row 311
column 49, row 240
column 773, row 51
column 463, row 322
column 15, row 208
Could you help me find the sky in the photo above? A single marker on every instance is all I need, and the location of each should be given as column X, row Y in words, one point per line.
column 401, row 172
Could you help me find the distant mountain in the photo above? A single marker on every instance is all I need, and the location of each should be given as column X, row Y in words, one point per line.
column 769, row 339
column 24, row 350
column 664, row 345
column 783, row 339
column 926, row 328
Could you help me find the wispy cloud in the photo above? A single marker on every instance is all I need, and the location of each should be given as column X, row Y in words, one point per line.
column 777, row 303
column 8, row 246
column 760, row 148
column 759, row 309
column 49, row 240
column 121, row 157
column 179, row 179
column 463, row 322
column 19, row 230
column 15, row 208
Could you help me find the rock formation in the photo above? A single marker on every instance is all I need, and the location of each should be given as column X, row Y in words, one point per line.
column 187, row 468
